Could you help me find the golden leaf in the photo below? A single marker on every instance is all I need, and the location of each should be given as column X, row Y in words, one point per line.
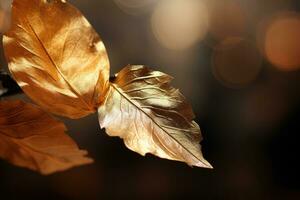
column 31, row 138
column 151, row 116
column 56, row 57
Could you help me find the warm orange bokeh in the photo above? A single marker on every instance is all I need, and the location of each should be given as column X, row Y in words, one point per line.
column 282, row 44
column 236, row 62
column 227, row 19
column 4, row 15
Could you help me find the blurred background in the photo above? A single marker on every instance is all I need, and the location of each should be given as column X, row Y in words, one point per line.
column 238, row 63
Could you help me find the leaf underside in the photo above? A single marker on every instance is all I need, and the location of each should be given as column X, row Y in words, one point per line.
column 31, row 138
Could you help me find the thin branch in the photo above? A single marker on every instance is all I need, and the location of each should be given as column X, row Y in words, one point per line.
column 8, row 86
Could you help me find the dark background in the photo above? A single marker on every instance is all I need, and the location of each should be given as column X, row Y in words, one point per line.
column 246, row 102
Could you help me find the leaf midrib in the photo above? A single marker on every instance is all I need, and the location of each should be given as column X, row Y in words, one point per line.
column 57, row 68
column 119, row 90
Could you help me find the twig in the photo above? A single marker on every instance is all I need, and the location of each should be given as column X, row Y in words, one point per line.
column 8, row 86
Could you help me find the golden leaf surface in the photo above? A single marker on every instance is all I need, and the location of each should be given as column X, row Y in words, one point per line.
column 31, row 138
column 151, row 116
column 56, row 57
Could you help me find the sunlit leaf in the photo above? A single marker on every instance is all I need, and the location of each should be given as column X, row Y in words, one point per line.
column 151, row 116
column 31, row 138
column 56, row 57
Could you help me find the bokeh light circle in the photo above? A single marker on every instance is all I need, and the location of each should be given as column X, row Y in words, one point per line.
column 227, row 19
column 282, row 41
column 180, row 24
column 236, row 62
column 5, row 15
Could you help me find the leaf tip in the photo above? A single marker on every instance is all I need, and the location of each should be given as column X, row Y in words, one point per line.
column 204, row 164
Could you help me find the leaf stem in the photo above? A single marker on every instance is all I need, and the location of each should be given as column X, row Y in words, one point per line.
column 8, row 86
